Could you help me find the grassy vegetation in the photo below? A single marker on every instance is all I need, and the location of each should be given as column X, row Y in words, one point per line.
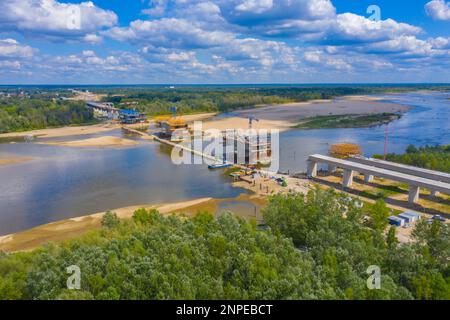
column 318, row 247
column 347, row 121
column 428, row 157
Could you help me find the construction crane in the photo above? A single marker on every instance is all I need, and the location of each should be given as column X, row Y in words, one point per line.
column 250, row 121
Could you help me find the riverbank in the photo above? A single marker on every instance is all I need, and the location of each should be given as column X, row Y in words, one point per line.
column 63, row 131
column 92, row 129
column 66, row 229
column 286, row 116
column 100, row 142
column 71, row 228
column 263, row 187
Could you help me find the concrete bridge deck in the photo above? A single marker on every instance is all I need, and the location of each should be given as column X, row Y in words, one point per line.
column 99, row 105
column 350, row 167
column 402, row 168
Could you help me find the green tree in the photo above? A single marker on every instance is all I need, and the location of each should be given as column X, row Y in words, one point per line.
column 378, row 214
column 144, row 216
column 110, row 220
column 391, row 238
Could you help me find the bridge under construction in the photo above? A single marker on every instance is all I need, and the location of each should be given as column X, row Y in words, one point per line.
column 416, row 178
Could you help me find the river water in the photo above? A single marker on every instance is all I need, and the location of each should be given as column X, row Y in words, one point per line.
column 427, row 122
column 63, row 182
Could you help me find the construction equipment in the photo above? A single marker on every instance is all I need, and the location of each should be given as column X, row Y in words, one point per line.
column 344, row 150
column 160, row 119
column 177, row 123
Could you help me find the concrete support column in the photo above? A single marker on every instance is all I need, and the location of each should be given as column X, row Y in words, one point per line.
column 331, row 168
column 368, row 178
column 348, row 178
column 413, row 194
column 312, row 169
column 434, row 193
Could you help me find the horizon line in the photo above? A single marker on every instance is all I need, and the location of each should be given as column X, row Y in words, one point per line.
column 228, row 84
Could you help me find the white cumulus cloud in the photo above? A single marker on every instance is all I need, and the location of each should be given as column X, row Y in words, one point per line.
column 54, row 20
column 10, row 48
column 438, row 9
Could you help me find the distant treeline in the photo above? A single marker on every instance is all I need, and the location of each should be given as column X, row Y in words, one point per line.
column 428, row 157
column 154, row 101
column 40, row 107
column 21, row 114
column 316, row 247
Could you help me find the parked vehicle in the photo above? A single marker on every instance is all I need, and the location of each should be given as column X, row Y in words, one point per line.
column 438, row 217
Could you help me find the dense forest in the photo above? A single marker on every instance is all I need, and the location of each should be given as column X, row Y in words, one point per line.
column 18, row 114
column 316, row 247
column 428, row 157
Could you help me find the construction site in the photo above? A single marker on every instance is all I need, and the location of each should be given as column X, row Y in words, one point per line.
column 344, row 168
column 400, row 186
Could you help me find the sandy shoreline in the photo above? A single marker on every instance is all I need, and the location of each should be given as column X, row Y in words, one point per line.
column 63, row 132
column 91, row 129
column 198, row 116
column 106, row 141
column 73, row 227
column 70, row 228
column 285, row 116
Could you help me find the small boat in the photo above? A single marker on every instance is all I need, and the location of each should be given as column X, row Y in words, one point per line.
column 219, row 166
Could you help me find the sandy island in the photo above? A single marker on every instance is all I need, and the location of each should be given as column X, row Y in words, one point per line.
column 286, row 116
column 107, row 141
column 63, row 132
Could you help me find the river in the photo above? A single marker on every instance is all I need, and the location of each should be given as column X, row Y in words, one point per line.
column 63, row 182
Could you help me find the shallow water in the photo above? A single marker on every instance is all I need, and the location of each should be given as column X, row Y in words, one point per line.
column 64, row 182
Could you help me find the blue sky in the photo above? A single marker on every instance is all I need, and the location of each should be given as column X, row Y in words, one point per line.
column 223, row 41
